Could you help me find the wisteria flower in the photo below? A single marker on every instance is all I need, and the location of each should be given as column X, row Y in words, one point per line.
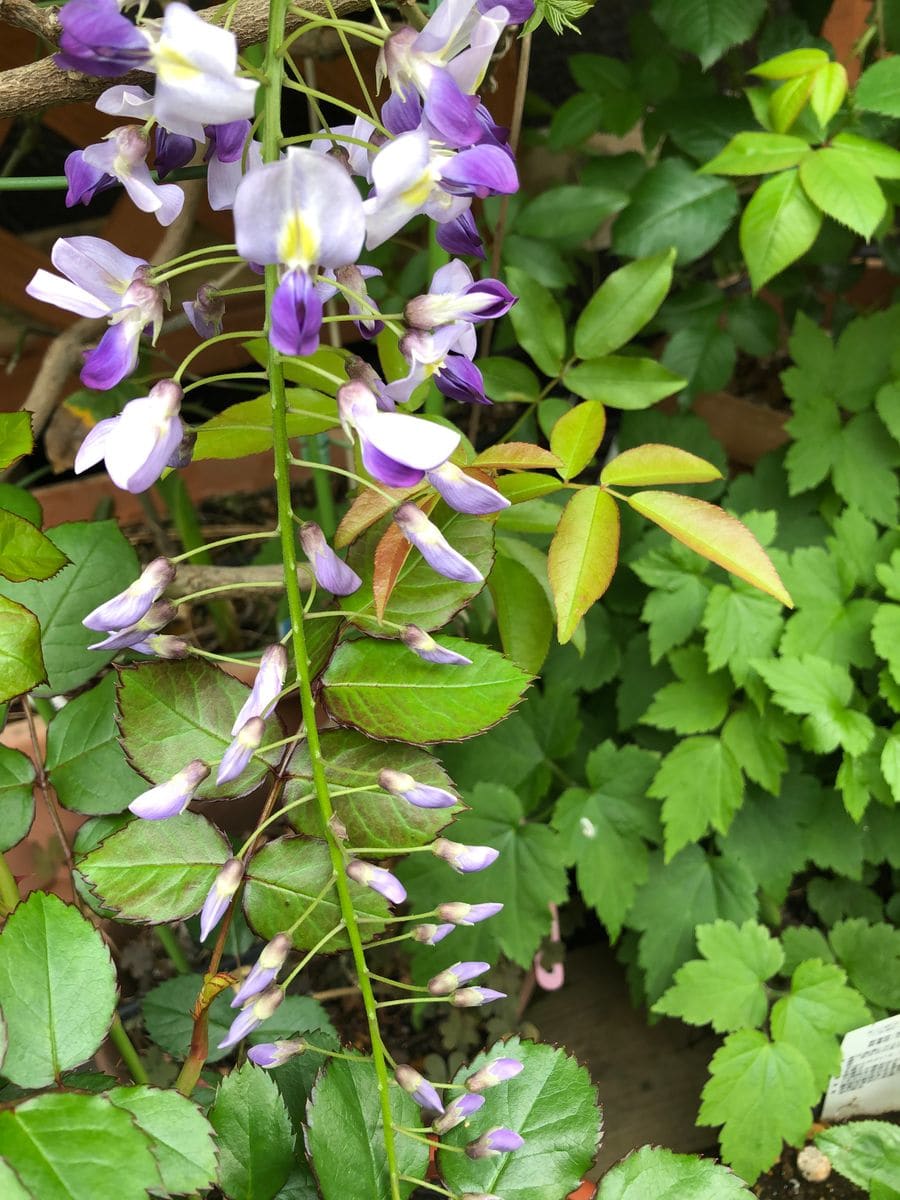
column 224, row 175
column 498, row 1071
column 430, row 935
column 397, row 449
column 424, row 1093
column 331, row 572
column 163, row 645
column 460, row 913
column 265, row 970
column 451, row 979
column 378, row 879
column 122, row 157
column 158, row 615
column 353, row 279
column 273, row 1054
column 433, row 546
column 137, row 444
column 257, row 1011
column 424, row 645
column 237, row 757
column 474, row 997
column 266, row 688
column 457, row 1111
column 220, row 895
column 464, row 859
column 445, row 356
column 97, row 40
column 206, row 312
column 172, row 797
column 171, row 151
column 421, row 795
column 129, row 606
column 463, row 493
column 496, row 1141
column 455, row 295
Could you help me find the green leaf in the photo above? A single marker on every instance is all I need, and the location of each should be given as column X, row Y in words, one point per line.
column 552, row 1104
column 621, row 381
column 673, row 614
column 801, row 942
column 508, row 381
column 524, row 616
column 380, row 688
column 173, row 712
column 886, row 636
column 282, row 881
column 698, row 701
column 583, row 556
column 75, row 1147
column 818, row 1007
column 792, row 64
column 755, row 153
column 16, row 438
column 10, row 1184
column 875, row 491
column 101, row 563
column 879, row 88
column 623, row 304
column 756, row 748
column 673, row 206
column 538, row 322
column 821, row 691
column 873, row 157
column 769, row 835
column 153, row 871
column 644, row 466
column 324, row 370
column 180, row 1136
column 576, row 437
column 21, row 661
column 255, row 1136
column 708, row 28
column 778, row 226
column 57, row 990
column 870, row 954
column 25, row 552
column 725, row 988
column 246, row 428
column 16, row 500
column 602, row 831
column 528, row 876
column 787, row 102
column 571, row 212
column 655, row 1174
column 687, row 812
column 346, row 1098
column 740, row 625
column 82, row 748
column 693, row 889
column 16, row 798
column 863, row 1151
column 704, row 354
column 715, row 534
column 838, row 183
column 575, row 120
column 762, row 1092
column 371, row 817
column 167, row 1017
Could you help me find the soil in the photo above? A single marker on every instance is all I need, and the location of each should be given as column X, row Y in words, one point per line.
column 784, row 1182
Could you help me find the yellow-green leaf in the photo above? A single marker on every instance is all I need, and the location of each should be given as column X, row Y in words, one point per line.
column 792, row 64
column 623, row 304
column 16, row 438
column 577, row 435
column 828, row 91
column 787, row 102
column 526, row 485
column 839, row 184
column 516, row 456
column 654, row 463
column 246, row 428
column 715, row 535
column 583, row 556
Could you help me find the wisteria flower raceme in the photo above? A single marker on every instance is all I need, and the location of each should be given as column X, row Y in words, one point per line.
column 273, row 1054
column 474, row 997
column 424, row 1093
column 237, row 757
column 430, row 935
column 424, row 645
column 139, row 443
column 172, row 797
column 378, row 879
column 452, row 978
column 206, row 312
column 496, row 1141
column 158, row 615
column 253, row 1015
column 129, row 606
column 455, row 295
column 220, row 895
column 498, row 1071
column 460, row 913
column 456, row 1112
column 464, row 859
column 433, row 546
column 446, row 357
column 463, row 493
column 421, row 795
column 331, row 572
column 397, row 449
column 97, row 40
column 265, row 970
column 122, row 157
column 266, row 687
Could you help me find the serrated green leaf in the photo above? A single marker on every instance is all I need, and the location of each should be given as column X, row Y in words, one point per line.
column 688, row 814
column 778, row 226
column 698, row 701
column 870, row 954
column 752, row 153
column 818, row 1007
column 83, row 749
column 673, row 206
column 246, row 428
column 674, row 614
column 886, row 636
column 583, row 556
column 181, row 1138
column 788, row 101
column 74, row 1147
column 828, row 91
column 725, row 988
column 708, row 28
column 863, row 1150
column 821, row 691
column 801, row 942
column 21, row 662
column 57, row 990
column 652, row 1173
column 156, row 870
column 576, row 436
column 874, row 157
column 16, row 798
column 756, row 748
column 769, row 835
column 383, row 690
column 740, row 625
column 879, row 88
column 623, row 381
column 838, row 183
column 552, row 1104
column 623, row 304
column 538, row 322
column 762, row 1093
column 25, row 552
column 347, row 1098
column 524, row 616
column 255, row 1137
column 876, row 490
column 16, row 438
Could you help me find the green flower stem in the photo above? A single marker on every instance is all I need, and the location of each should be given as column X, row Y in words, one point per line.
column 221, row 337
column 274, row 66
column 388, row 851
column 351, row 57
column 312, row 906
column 325, row 508
column 336, row 1053
column 397, row 920
column 429, row 1141
column 413, row 1000
column 357, row 29
column 279, row 813
column 229, row 658
column 125, row 1047
column 366, row 302
column 229, row 541
column 302, row 138
column 224, row 248
column 400, row 937
column 305, row 90
column 316, row 370
column 405, row 987
column 431, row 1187
column 196, row 266
column 59, row 183
column 241, row 586
column 240, row 291
column 311, row 954
column 228, row 377
column 317, row 466
column 9, row 889
column 169, row 943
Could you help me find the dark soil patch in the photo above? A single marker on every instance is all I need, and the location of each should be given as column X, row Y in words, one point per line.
column 784, row 1182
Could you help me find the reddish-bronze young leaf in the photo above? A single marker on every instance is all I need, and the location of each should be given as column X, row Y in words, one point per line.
column 653, row 463
column 368, row 508
column 714, row 534
column 391, row 553
column 583, row 556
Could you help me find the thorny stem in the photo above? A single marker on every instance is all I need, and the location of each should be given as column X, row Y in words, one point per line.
column 130, row 1057
column 43, row 786
column 274, row 67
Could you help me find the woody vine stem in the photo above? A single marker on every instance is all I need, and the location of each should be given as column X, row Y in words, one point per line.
column 274, row 70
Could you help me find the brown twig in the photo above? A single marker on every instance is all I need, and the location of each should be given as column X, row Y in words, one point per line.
column 239, row 580
column 25, row 15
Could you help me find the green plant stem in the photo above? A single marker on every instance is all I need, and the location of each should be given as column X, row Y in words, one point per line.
column 325, row 508
column 169, row 943
column 229, row 541
column 312, row 952
column 125, row 1047
column 59, row 183
column 274, row 66
column 228, row 377
column 423, row 1183
column 220, row 337
column 9, row 889
column 320, row 466
column 197, row 266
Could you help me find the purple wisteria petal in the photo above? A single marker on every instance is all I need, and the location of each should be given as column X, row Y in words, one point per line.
column 450, row 980
column 129, row 606
column 430, row 935
column 97, row 40
column 84, row 179
column 498, row 1071
column 253, row 1015
column 481, row 171
column 273, row 1054
column 378, row 879
column 404, row 177
column 227, row 141
column 224, row 178
column 383, row 468
column 464, row 859
column 163, row 645
column 424, row 1093
column 159, row 614
column 123, row 154
column 474, row 997
column 469, row 67
column 145, row 434
column 113, row 358
column 206, row 312
column 461, row 913
column 519, row 11
column 457, row 1111
column 422, row 795
column 426, row 647
column 451, row 112
column 496, row 1141
column 237, row 757
column 459, row 379
column 171, row 151
column 433, row 546
column 97, row 275
column 266, row 687
column 330, row 571
column 265, row 970
column 402, row 112
column 465, row 494
column 172, row 797
column 220, row 895
column 296, row 315
column 460, row 235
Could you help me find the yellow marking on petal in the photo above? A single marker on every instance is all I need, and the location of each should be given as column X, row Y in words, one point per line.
column 298, row 244
column 416, row 195
column 172, row 66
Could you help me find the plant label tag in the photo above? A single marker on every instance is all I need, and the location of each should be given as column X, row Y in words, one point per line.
column 869, row 1081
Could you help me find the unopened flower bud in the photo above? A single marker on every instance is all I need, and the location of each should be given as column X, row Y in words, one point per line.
column 337, row 827
column 465, row 494
column 424, row 1093
column 430, row 935
column 159, row 614
column 464, row 859
column 273, row 1054
column 378, row 879
column 474, row 997
column 206, row 312
column 422, row 533
column 172, row 797
column 183, row 454
column 265, row 970
column 421, row 795
column 495, row 1072
column 450, row 980
column 163, row 645
column 237, row 757
column 253, row 1014
column 226, row 884
column 266, row 687
column 459, row 913
column 496, row 1141
column 426, row 647
column 129, row 606
column 331, row 572
column 456, row 1112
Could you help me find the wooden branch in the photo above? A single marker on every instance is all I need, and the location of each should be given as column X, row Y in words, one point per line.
column 25, row 15
column 42, row 84
column 239, row 580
